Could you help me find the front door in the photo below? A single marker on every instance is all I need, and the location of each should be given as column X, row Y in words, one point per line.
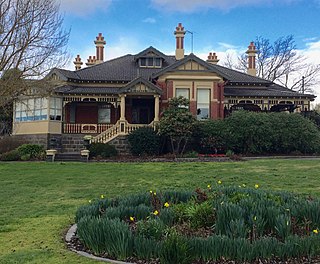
column 142, row 111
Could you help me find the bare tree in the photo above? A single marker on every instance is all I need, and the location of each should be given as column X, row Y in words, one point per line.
column 282, row 63
column 32, row 41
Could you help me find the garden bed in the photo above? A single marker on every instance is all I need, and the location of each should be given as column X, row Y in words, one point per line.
column 216, row 225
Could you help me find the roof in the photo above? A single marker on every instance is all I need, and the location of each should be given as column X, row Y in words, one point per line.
column 126, row 69
column 266, row 91
column 74, row 89
column 130, row 87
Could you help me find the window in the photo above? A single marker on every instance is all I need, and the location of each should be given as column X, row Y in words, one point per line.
column 203, row 104
column 31, row 109
column 150, row 62
column 55, row 108
column 104, row 114
column 182, row 92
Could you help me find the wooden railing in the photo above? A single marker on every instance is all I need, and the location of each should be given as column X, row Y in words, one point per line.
column 120, row 128
column 85, row 128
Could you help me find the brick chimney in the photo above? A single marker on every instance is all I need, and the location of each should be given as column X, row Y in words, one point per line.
column 91, row 61
column 78, row 62
column 252, row 59
column 100, row 42
column 180, row 32
column 212, row 58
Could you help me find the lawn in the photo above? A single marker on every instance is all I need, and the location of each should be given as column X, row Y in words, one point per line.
column 38, row 200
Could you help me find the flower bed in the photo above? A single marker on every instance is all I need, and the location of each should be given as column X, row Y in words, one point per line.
column 214, row 225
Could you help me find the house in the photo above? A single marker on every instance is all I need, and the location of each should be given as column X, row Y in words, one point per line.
column 112, row 98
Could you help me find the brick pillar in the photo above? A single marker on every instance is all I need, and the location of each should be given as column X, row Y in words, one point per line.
column 193, row 108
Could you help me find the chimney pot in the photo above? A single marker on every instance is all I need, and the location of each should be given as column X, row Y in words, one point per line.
column 252, row 59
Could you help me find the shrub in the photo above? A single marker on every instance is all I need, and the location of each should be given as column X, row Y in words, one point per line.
column 31, row 151
column 12, row 155
column 102, row 150
column 144, row 141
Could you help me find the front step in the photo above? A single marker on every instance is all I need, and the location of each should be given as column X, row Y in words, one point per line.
column 71, row 156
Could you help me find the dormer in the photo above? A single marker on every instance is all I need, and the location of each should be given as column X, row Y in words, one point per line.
column 150, row 58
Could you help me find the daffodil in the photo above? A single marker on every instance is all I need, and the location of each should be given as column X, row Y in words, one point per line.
column 287, row 223
column 90, row 201
column 256, row 186
column 154, row 193
column 156, row 212
column 101, row 196
column 255, row 218
column 243, row 185
column 166, row 204
column 151, row 191
column 209, row 186
column 315, row 231
column 219, row 182
column 132, row 218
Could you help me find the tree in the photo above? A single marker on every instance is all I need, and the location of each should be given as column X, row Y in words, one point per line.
column 32, row 41
column 177, row 124
column 282, row 63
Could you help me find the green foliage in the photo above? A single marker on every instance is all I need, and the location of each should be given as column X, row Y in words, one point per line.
column 144, row 141
column 175, row 249
column 151, row 228
column 102, row 150
column 257, row 133
column 177, row 123
column 210, row 137
column 106, row 235
column 239, row 224
column 12, row 155
column 31, row 151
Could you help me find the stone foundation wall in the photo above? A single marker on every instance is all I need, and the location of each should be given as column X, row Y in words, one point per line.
column 121, row 144
column 46, row 140
column 72, row 142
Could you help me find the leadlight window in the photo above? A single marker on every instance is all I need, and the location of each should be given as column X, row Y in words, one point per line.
column 32, row 109
column 203, row 104
column 55, row 108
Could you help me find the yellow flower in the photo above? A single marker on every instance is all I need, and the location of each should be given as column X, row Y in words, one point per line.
column 156, row 212
column 90, row 201
column 131, row 218
column 287, row 223
column 243, row 185
column 219, row 182
column 101, row 196
column 154, row 193
column 166, row 204
column 256, row 186
column 209, row 186
column 151, row 191
column 315, row 231
column 255, row 218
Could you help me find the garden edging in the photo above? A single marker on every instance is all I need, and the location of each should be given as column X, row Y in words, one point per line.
column 71, row 233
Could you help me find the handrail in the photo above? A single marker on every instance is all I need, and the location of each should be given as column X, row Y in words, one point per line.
column 115, row 131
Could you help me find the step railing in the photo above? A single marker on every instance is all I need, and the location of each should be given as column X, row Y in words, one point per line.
column 120, row 128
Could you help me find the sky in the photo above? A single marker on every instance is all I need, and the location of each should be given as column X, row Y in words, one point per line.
column 221, row 26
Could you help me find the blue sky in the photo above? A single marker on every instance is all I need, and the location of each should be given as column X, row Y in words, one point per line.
column 221, row 26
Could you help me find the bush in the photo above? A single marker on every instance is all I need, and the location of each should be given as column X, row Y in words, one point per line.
column 31, row 151
column 144, row 141
column 12, row 155
column 102, row 150
column 271, row 133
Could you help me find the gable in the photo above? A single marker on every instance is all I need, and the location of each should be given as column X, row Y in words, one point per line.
column 191, row 66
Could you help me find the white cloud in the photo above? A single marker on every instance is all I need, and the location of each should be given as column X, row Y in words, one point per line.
column 150, row 20
column 83, row 7
column 192, row 5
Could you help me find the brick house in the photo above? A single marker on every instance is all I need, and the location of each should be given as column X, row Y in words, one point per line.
column 111, row 99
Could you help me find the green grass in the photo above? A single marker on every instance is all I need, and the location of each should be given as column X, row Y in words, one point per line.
column 38, row 200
